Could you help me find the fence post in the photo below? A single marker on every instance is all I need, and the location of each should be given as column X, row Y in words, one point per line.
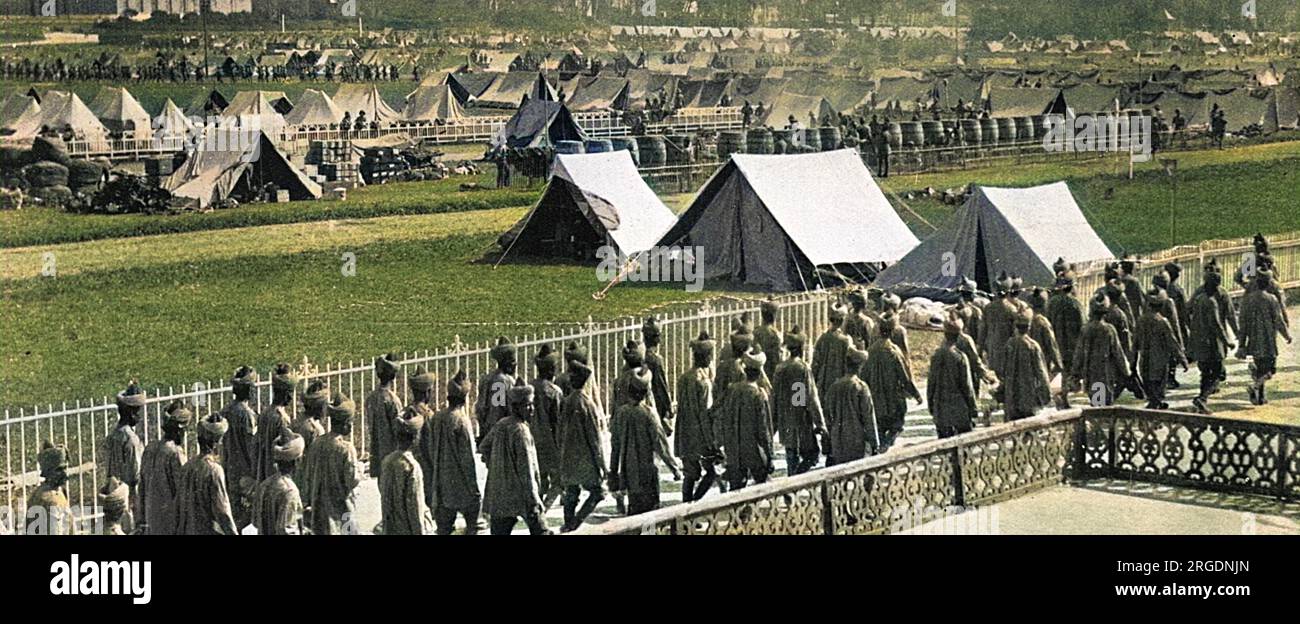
column 828, row 517
column 958, row 478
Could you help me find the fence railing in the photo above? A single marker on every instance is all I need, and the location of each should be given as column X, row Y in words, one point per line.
column 917, row 484
column 81, row 426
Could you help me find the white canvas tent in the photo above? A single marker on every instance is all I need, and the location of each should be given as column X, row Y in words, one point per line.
column 121, row 113
column 253, row 109
column 314, row 108
column 20, row 116
column 241, row 172
column 432, row 102
column 1018, row 230
column 62, row 111
column 591, row 200
column 172, row 122
column 354, row 98
column 791, row 222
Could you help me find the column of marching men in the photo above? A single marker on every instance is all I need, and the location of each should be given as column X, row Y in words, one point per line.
column 545, row 440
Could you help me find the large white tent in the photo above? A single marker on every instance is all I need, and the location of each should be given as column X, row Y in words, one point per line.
column 788, row 222
column 355, row 98
column 314, row 108
column 591, row 200
column 1022, row 231
column 121, row 113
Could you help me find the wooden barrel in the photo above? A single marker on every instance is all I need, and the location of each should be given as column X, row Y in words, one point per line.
column 652, row 151
column 569, row 147
column 913, row 134
column 624, row 143
column 952, row 129
column 933, row 131
column 811, row 139
column 680, row 149
column 730, row 142
column 1024, row 128
column 970, row 132
column 831, row 139
column 781, row 142
column 759, row 141
column 1006, row 129
column 989, row 131
column 895, row 135
column 598, row 146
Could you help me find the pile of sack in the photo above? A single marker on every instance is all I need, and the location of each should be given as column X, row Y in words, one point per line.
column 48, row 176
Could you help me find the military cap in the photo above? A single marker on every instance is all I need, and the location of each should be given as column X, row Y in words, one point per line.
column 177, row 413
column 288, row 447
column 1038, row 299
column 341, row 408
column 579, row 373
column 888, row 321
column 51, row 457
column 794, row 339
column 244, row 377
column 857, row 357
column 953, row 325
column 386, row 365
column 132, row 396
column 521, row 393
column 754, row 359
column 503, row 350
column 411, row 419
column 640, row 379
column 284, row 379
column 650, row 327
column 113, row 496
column 460, row 385
column 836, row 314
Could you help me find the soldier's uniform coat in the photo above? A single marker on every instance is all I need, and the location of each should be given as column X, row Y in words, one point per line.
column 1025, row 384
column 334, row 475
column 582, row 456
column 889, row 376
column 1067, row 318
column 160, row 485
column 850, row 420
column 382, row 408
column 797, row 423
column 949, row 394
column 273, row 423
column 1156, row 344
column 49, row 513
column 277, row 507
column 830, row 359
column 999, row 327
column 123, row 454
column 1099, row 358
column 638, row 439
column 492, row 403
column 202, row 504
column 447, row 460
column 545, row 426
column 239, row 454
column 768, row 339
column 744, row 427
column 401, row 496
column 513, row 481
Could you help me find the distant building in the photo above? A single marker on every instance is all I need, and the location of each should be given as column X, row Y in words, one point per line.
column 54, row 8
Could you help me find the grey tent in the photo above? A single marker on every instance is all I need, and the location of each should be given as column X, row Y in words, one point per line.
column 213, row 175
column 591, row 200
column 599, row 93
column 1020, row 231
column 539, row 123
column 790, row 222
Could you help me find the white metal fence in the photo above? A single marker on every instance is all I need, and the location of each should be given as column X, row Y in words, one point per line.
column 81, row 426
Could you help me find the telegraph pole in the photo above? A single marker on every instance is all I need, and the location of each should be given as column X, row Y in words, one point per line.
column 203, row 18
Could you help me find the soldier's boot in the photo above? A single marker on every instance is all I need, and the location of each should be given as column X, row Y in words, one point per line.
column 588, row 506
column 1252, row 392
column 570, row 511
column 1263, row 398
column 702, row 488
column 1199, row 405
column 688, row 489
column 620, row 503
column 1062, row 401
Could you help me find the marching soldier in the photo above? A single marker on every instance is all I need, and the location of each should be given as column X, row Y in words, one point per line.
column 1261, row 322
column 113, row 501
column 745, row 426
column 831, row 353
column 123, row 450
column 48, row 510
column 582, row 456
column 972, row 316
column 275, row 419
column 335, row 473
column 239, row 449
column 383, row 405
column 451, row 474
column 277, row 503
column 508, row 450
column 637, row 438
column 858, row 324
column 401, row 482
column 1065, row 313
column 1025, row 383
column 768, row 337
column 889, row 376
column 851, row 415
column 546, row 424
column 660, row 396
column 493, row 388
column 798, row 407
column 693, row 442
column 160, row 472
column 949, row 394
column 202, row 504
column 1156, row 344
column 1099, row 359
column 1207, row 343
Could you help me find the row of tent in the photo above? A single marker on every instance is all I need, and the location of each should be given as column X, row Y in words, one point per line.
column 800, row 222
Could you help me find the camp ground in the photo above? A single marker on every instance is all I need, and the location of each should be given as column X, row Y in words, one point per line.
column 1018, row 231
column 793, row 222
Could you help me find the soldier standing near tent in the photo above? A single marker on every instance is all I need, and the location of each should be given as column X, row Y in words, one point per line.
column 123, row 449
column 274, row 420
column 1156, row 343
column 831, row 354
column 851, row 415
column 883, row 149
column 858, row 325
column 582, row 456
column 660, row 397
column 546, row 424
column 401, row 485
column 889, row 375
column 949, row 394
column 972, row 316
column 277, row 502
column 511, row 458
column 1261, row 322
column 1066, row 316
column 239, row 449
column 382, row 408
column 694, row 444
column 493, row 388
column 160, row 472
column 744, row 425
column 637, row 438
column 335, row 473
column 768, row 337
column 48, row 511
column 1099, row 358
column 202, row 504
column 1025, row 384
column 447, row 458
column 797, row 407
column 1208, row 343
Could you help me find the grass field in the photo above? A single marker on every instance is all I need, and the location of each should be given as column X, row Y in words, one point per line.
column 207, row 295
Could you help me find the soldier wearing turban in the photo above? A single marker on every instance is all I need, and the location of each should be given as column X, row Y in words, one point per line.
column 160, row 472
column 401, row 482
column 858, row 325
column 889, row 306
column 277, row 501
column 382, row 406
column 1261, row 322
column 546, row 423
column 1065, row 313
column 637, row 437
column 276, row 419
column 1026, row 386
column 113, row 499
column 511, row 457
column 694, row 443
column 950, row 394
column 1227, row 314
column 744, row 426
column 1099, row 358
column 850, row 414
column 573, row 354
column 493, row 402
column 999, row 324
column 831, row 353
column 797, row 407
column 239, row 449
column 971, row 315
column 123, row 450
column 447, row 457
column 1156, row 343
column 1208, row 342
column 768, row 336
column 334, row 473
column 660, row 397
column 311, row 424
column 202, row 502
column 582, row 456
column 889, row 375
column 48, row 511
column 1132, row 287
column 633, row 365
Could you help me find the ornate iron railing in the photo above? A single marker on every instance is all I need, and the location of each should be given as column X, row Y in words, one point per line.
column 919, row 483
